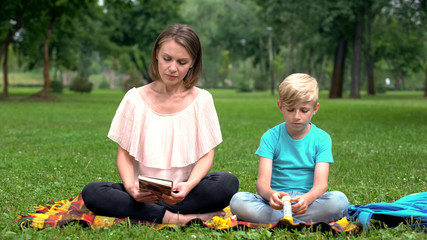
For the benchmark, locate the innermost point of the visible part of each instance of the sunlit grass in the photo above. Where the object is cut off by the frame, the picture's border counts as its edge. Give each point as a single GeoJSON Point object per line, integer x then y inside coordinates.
{"type": "Point", "coordinates": [50, 150]}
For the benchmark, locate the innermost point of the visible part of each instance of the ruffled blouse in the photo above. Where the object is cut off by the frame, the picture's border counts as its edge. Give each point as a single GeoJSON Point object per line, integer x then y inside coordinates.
{"type": "Point", "coordinates": [166, 145]}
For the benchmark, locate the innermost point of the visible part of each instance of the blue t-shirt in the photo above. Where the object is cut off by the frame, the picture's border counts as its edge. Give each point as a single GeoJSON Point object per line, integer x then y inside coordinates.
{"type": "Point", "coordinates": [294, 160]}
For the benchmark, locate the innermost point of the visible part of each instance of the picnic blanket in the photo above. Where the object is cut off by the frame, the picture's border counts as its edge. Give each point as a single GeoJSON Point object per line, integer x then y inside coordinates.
{"type": "Point", "coordinates": [57, 214]}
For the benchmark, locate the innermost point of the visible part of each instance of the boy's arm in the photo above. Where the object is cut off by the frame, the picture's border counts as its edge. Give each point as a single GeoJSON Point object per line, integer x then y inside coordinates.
{"type": "Point", "coordinates": [263, 184]}
{"type": "Point", "coordinates": [320, 185]}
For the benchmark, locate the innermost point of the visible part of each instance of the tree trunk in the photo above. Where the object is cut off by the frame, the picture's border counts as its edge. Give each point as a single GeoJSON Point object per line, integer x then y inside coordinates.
{"type": "Point", "coordinates": [310, 61]}
{"type": "Point", "coordinates": [9, 37]}
{"type": "Point", "coordinates": [357, 52]}
{"type": "Point", "coordinates": [46, 57]}
{"type": "Point", "coordinates": [288, 66]}
{"type": "Point", "coordinates": [425, 87]}
{"type": "Point", "coordinates": [370, 56]}
{"type": "Point", "coordinates": [45, 91]}
{"type": "Point", "coordinates": [4, 50]}
{"type": "Point", "coordinates": [338, 72]}
{"type": "Point", "coordinates": [271, 63]}
{"type": "Point", "coordinates": [5, 75]}
{"type": "Point", "coordinates": [6, 42]}
{"type": "Point", "coordinates": [261, 56]}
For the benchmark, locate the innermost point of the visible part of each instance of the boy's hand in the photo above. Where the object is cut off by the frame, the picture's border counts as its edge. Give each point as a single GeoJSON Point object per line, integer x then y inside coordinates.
{"type": "Point", "coordinates": [301, 205]}
{"type": "Point", "coordinates": [276, 200]}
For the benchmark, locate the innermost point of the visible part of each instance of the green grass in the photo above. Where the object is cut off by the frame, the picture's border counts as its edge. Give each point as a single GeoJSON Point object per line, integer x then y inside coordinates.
{"type": "Point", "coordinates": [50, 150]}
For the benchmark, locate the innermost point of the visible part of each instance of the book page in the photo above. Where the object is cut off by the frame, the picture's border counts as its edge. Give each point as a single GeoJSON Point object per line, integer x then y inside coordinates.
{"type": "Point", "coordinates": [164, 182]}
{"type": "Point", "coordinates": [155, 185]}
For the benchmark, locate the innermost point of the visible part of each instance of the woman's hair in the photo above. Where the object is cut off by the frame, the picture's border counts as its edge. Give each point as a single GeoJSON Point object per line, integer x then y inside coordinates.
{"type": "Point", "coordinates": [298, 88]}
{"type": "Point", "coordinates": [185, 36]}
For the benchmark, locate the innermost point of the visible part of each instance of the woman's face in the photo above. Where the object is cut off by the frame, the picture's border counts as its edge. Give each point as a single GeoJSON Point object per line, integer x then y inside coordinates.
{"type": "Point", "coordinates": [173, 62]}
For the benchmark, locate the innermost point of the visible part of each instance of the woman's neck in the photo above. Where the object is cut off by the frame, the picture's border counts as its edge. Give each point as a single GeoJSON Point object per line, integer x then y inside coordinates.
{"type": "Point", "coordinates": [168, 90]}
{"type": "Point", "coordinates": [167, 100]}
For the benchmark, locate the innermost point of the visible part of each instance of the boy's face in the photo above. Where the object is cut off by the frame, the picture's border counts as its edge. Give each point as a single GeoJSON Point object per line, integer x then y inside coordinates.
{"type": "Point", "coordinates": [298, 117]}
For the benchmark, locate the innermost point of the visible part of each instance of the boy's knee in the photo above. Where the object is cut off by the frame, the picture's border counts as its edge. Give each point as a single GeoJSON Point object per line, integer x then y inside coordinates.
{"type": "Point", "coordinates": [340, 198]}
{"type": "Point", "coordinates": [338, 203]}
{"type": "Point", "coordinates": [238, 200]}
{"type": "Point", "coordinates": [235, 199]}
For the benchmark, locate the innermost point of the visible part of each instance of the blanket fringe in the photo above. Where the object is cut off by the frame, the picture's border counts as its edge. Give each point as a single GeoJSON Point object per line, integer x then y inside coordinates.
{"type": "Point", "coordinates": [57, 214]}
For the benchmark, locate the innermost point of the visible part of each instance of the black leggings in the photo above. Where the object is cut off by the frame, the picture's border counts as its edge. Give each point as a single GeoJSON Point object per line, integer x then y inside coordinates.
{"type": "Point", "coordinates": [212, 194]}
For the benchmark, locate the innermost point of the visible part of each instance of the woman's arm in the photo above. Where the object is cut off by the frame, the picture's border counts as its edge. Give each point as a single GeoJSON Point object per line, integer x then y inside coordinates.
{"type": "Point", "coordinates": [320, 185]}
{"type": "Point", "coordinates": [125, 168]}
{"type": "Point", "coordinates": [126, 172]}
{"type": "Point", "coordinates": [199, 171]}
{"type": "Point", "coordinates": [201, 168]}
{"type": "Point", "coordinates": [263, 186]}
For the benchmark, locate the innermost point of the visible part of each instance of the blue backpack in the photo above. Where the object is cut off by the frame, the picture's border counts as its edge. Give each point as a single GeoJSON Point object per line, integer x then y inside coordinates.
{"type": "Point", "coordinates": [411, 208]}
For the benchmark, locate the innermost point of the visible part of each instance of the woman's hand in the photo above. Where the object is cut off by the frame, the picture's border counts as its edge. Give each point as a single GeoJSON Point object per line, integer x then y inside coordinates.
{"type": "Point", "coordinates": [179, 192]}
{"type": "Point", "coordinates": [301, 205]}
{"type": "Point", "coordinates": [143, 197]}
{"type": "Point", "coordinates": [276, 200]}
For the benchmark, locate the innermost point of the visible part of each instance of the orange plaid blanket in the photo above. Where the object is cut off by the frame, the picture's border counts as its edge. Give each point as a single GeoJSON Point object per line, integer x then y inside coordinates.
{"type": "Point", "coordinates": [57, 214]}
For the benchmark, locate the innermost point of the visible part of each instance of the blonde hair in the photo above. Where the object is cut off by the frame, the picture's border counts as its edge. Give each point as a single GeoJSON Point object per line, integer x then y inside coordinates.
{"type": "Point", "coordinates": [185, 36]}
{"type": "Point", "coordinates": [298, 88]}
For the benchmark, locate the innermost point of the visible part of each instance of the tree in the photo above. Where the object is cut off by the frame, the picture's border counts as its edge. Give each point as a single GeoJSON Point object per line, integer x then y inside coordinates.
{"type": "Point", "coordinates": [12, 16]}
{"type": "Point", "coordinates": [369, 55]}
{"type": "Point", "coordinates": [423, 18]}
{"type": "Point", "coordinates": [340, 27]}
{"type": "Point", "coordinates": [339, 67]}
{"type": "Point", "coordinates": [425, 86]}
{"type": "Point", "coordinates": [137, 24]}
{"type": "Point", "coordinates": [401, 42]}
{"type": "Point", "coordinates": [296, 39]}
{"type": "Point", "coordinates": [225, 25]}
{"type": "Point", "coordinates": [53, 11]}
{"type": "Point", "coordinates": [357, 51]}
{"type": "Point", "coordinates": [226, 66]}
{"type": "Point", "coordinates": [373, 11]}
{"type": "Point", "coordinates": [65, 35]}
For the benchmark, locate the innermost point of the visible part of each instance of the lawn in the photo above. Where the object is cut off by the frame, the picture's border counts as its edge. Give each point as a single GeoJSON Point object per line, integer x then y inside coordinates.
{"type": "Point", "coordinates": [50, 150]}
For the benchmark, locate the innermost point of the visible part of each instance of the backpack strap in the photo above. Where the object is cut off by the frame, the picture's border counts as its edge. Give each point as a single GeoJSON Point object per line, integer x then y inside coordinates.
{"type": "Point", "coordinates": [364, 217]}
{"type": "Point", "coordinates": [360, 213]}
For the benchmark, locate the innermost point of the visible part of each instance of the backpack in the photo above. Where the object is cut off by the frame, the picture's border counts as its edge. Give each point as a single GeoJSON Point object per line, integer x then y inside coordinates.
{"type": "Point", "coordinates": [411, 209]}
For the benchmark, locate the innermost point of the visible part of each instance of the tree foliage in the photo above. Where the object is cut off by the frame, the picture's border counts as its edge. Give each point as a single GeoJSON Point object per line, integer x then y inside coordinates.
{"type": "Point", "coordinates": [137, 25]}
{"type": "Point", "coordinates": [334, 40]}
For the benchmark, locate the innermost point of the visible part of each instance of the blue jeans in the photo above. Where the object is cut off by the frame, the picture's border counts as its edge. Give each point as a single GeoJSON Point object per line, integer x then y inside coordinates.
{"type": "Point", "coordinates": [330, 207]}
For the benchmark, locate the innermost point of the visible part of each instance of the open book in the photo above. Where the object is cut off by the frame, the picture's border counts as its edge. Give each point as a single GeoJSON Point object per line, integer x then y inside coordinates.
{"type": "Point", "coordinates": [155, 185]}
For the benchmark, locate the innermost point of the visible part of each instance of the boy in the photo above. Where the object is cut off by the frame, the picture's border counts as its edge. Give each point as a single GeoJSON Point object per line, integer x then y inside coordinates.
{"type": "Point", "coordinates": [294, 159]}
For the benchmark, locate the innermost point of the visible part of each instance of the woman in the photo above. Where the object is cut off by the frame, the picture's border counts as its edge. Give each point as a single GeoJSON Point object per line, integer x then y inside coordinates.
{"type": "Point", "coordinates": [166, 129]}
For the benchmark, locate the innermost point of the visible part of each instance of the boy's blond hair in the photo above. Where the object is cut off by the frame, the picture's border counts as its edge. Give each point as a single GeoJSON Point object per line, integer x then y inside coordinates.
{"type": "Point", "coordinates": [298, 88]}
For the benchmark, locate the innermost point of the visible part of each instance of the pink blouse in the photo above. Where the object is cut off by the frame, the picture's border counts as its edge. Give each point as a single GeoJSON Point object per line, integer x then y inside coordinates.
{"type": "Point", "coordinates": [166, 145]}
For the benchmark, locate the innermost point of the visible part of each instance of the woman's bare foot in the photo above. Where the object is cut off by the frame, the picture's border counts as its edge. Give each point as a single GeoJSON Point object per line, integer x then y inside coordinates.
{"type": "Point", "coordinates": [181, 219]}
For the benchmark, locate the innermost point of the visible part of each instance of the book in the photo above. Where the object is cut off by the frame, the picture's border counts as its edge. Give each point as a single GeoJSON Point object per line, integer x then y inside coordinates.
{"type": "Point", "coordinates": [157, 186]}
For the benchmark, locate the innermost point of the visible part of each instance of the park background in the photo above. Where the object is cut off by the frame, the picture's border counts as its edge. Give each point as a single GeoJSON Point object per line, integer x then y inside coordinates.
{"type": "Point", "coordinates": [67, 64]}
{"type": "Point", "coordinates": [248, 45]}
